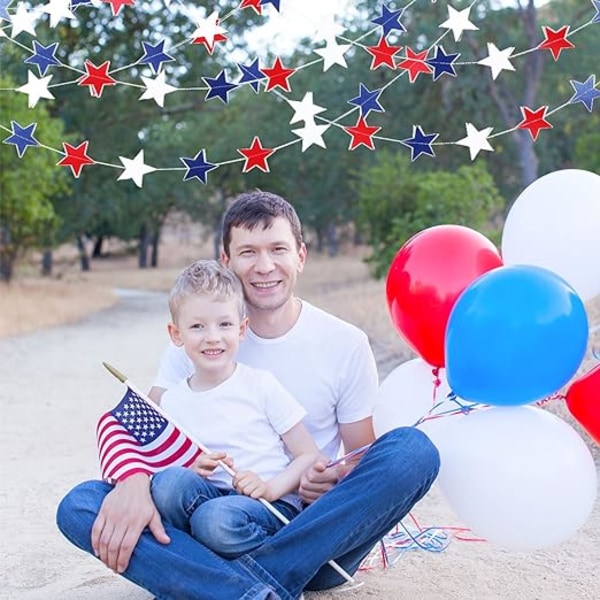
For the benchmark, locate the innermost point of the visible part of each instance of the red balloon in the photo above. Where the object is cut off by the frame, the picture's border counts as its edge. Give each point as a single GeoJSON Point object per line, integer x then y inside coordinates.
{"type": "Point", "coordinates": [583, 401]}
{"type": "Point", "coordinates": [427, 276]}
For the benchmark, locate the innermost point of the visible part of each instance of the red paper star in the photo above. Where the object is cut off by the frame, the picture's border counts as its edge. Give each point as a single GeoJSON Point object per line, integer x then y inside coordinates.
{"type": "Point", "coordinates": [255, 4]}
{"type": "Point", "coordinates": [415, 64]}
{"type": "Point", "coordinates": [362, 134]}
{"type": "Point", "coordinates": [278, 76]}
{"type": "Point", "coordinates": [534, 120]}
{"type": "Point", "coordinates": [218, 37]}
{"type": "Point", "coordinates": [75, 157]}
{"type": "Point", "coordinates": [556, 41]}
{"type": "Point", "coordinates": [116, 5]}
{"type": "Point", "coordinates": [256, 156]}
{"type": "Point", "coordinates": [383, 54]}
{"type": "Point", "coordinates": [96, 77]}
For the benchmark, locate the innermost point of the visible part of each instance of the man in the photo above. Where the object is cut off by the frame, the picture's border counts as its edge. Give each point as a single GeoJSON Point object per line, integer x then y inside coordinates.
{"type": "Point", "coordinates": [328, 366]}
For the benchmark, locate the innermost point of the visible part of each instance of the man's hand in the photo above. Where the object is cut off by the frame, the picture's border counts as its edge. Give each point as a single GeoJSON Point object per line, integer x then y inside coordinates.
{"type": "Point", "coordinates": [317, 480]}
{"type": "Point", "coordinates": [124, 514]}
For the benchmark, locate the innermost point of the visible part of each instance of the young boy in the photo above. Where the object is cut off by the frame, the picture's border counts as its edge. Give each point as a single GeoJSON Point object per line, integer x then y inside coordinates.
{"type": "Point", "coordinates": [244, 414]}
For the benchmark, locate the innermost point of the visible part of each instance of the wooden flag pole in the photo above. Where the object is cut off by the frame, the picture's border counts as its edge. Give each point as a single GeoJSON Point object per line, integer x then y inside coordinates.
{"type": "Point", "coordinates": [202, 447]}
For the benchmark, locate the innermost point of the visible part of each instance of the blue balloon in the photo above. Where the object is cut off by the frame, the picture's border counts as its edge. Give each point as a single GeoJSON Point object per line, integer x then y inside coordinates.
{"type": "Point", "coordinates": [515, 335]}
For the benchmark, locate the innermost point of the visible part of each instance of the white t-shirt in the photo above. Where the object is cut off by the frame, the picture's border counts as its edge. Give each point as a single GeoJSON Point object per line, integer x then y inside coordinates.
{"type": "Point", "coordinates": [324, 362]}
{"type": "Point", "coordinates": [244, 416]}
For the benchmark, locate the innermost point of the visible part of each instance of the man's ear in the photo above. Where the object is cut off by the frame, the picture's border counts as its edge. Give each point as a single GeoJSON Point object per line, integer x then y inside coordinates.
{"type": "Point", "coordinates": [224, 258]}
{"type": "Point", "coordinates": [174, 334]}
{"type": "Point", "coordinates": [302, 254]}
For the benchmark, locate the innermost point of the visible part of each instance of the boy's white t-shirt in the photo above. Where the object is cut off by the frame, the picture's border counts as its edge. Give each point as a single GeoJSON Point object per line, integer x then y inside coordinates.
{"type": "Point", "coordinates": [325, 363]}
{"type": "Point", "coordinates": [244, 416]}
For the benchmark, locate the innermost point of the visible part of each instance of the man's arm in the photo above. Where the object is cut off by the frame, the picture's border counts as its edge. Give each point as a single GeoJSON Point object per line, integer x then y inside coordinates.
{"type": "Point", "coordinates": [126, 511]}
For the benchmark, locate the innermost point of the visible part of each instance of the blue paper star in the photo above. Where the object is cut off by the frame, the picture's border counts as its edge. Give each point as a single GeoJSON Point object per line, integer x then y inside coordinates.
{"type": "Point", "coordinates": [4, 4]}
{"type": "Point", "coordinates": [442, 63]}
{"type": "Point", "coordinates": [420, 143]}
{"type": "Point", "coordinates": [585, 92]}
{"type": "Point", "coordinates": [43, 57]}
{"type": "Point", "coordinates": [22, 137]}
{"type": "Point", "coordinates": [596, 4]}
{"type": "Point", "coordinates": [367, 100]}
{"type": "Point", "coordinates": [275, 3]}
{"type": "Point", "coordinates": [155, 56]}
{"type": "Point", "coordinates": [389, 20]}
{"type": "Point", "coordinates": [219, 87]}
{"type": "Point", "coordinates": [75, 3]}
{"type": "Point", "coordinates": [197, 167]}
{"type": "Point", "coordinates": [251, 74]}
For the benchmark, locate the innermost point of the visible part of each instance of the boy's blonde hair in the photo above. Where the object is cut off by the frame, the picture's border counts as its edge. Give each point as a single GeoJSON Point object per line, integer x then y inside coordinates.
{"type": "Point", "coordinates": [209, 278]}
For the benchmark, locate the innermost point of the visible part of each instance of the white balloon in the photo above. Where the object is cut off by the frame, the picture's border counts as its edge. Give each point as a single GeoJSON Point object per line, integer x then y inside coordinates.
{"type": "Point", "coordinates": [519, 476]}
{"type": "Point", "coordinates": [406, 395]}
{"type": "Point", "coordinates": [555, 224]}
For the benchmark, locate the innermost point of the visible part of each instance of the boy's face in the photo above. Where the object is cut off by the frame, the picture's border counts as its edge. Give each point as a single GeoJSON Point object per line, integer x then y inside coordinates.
{"type": "Point", "coordinates": [268, 263]}
{"type": "Point", "coordinates": [210, 331]}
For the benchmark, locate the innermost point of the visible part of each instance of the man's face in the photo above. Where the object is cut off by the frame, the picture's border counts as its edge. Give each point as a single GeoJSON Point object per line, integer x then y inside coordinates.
{"type": "Point", "coordinates": [268, 262]}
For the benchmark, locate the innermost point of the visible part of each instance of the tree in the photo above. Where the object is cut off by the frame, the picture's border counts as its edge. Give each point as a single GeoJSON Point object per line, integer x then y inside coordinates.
{"type": "Point", "coordinates": [396, 201]}
{"type": "Point", "coordinates": [29, 184]}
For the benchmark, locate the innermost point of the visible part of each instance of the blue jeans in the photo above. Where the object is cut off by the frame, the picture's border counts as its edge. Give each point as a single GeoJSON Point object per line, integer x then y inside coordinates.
{"type": "Point", "coordinates": [224, 521]}
{"type": "Point", "coordinates": [343, 525]}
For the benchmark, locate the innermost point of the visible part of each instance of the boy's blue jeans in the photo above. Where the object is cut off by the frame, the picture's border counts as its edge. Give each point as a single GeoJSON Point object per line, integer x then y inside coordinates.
{"type": "Point", "coordinates": [224, 521]}
{"type": "Point", "coordinates": [343, 525]}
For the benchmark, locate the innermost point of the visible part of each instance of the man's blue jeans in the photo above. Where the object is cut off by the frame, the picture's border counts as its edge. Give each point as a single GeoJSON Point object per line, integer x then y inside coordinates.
{"type": "Point", "coordinates": [343, 525]}
{"type": "Point", "coordinates": [224, 521]}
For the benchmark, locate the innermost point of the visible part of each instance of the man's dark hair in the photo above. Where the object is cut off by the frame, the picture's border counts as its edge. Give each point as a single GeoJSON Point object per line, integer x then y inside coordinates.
{"type": "Point", "coordinates": [251, 209]}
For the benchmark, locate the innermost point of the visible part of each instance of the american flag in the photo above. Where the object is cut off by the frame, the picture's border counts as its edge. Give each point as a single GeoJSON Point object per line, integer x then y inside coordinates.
{"type": "Point", "coordinates": [135, 438]}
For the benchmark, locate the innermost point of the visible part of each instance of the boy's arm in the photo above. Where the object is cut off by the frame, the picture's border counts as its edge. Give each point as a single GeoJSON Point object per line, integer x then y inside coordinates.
{"type": "Point", "coordinates": [302, 447]}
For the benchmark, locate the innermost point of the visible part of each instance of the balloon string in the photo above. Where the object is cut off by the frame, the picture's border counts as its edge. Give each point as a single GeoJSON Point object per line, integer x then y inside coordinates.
{"type": "Point", "coordinates": [550, 398]}
{"type": "Point", "coordinates": [403, 538]}
{"type": "Point", "coordinates": [436, 381]}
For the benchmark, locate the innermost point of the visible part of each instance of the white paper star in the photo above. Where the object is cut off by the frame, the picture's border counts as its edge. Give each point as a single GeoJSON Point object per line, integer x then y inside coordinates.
{"type": "Point", "coordinates": [36, 88]}
{"type": "Point", "coordinates": [497, 60]}
{"type": "Point", "coordinates": [327, 30]}
{"type": "Point", "coordinates": [23, 20]}
{"type": "Point", "coordinates": [476, 140]}
{"type": "Point", "coordinates": [333, 54]}
{"type": "Point", "coordinates": [135, 168]}
{"type": "Point", "coordinates": [458, 21]}
{"type": "Point", "coordinates": [156, 89]}
{"type": "Point", "coordinates": [311, 134]}
{"type": "Point", "coordinates": [305, 110]}
{"type": "Point", "coordinates": [208, 28]}
{"type": "Point", "coordinates": [58, 9]}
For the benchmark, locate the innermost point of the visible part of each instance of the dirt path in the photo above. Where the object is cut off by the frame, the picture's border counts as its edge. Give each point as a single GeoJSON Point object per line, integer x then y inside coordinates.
{"type": "Point", "coordinates": [52, 390]}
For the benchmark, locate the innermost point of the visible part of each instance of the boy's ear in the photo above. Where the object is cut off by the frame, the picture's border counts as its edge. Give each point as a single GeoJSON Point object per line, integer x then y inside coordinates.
{"type": "Point", "coordinates": [174, 334]}
{"type": "Point", "coordinates": [243, 328]}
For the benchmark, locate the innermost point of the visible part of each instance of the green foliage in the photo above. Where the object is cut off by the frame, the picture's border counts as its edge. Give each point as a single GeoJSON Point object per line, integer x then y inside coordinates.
{"type": "Point", "coordinates": [396, 201]}
{"type": "Point", "coordinates": [29, 184]}
{"type": "Point", "coordinates": [587, 152]}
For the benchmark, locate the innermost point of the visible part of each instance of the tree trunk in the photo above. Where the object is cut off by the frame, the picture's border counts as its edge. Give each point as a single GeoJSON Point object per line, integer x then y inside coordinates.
{"type": "Point", "coordinates": [155, 242]}
{"type": "Point", "coordinates": [6, 267]}
{"type": "Point", "coordinates": [83, 257]}
{"type": "Point", "coordinates": [97, 251]}
{"type": "Point", "coordinates": [46, 269]}
{"type": "Point", "coordinates": [143, 247]}
{"type": "Point", "coordinates": [320, 240]}
{"type": "Point", "coordinates": [332, 243]}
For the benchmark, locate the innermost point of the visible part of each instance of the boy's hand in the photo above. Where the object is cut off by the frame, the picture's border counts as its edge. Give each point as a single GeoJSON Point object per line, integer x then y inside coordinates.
{"type": "Point", "coordinates": [250, 484]}
{"type": "Point", "coordinates": [207, 463]}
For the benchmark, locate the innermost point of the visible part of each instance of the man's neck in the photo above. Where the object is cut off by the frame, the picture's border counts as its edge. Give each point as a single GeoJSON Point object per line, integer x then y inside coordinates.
{"type": "Point", "coordinates": [270, 324]}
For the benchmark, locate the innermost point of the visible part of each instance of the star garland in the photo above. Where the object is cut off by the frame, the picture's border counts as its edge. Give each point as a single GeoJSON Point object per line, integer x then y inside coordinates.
{"type": "Point", "coordinates": [433, 62]}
